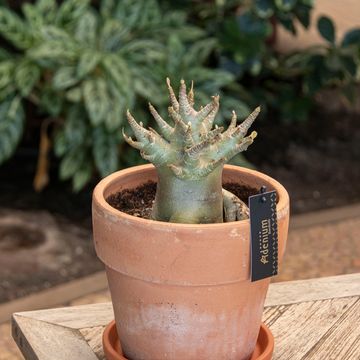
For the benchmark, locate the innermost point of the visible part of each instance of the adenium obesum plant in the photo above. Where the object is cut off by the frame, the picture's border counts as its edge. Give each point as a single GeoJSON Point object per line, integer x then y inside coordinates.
{"type": "Point", "coordinates": [189, 157]}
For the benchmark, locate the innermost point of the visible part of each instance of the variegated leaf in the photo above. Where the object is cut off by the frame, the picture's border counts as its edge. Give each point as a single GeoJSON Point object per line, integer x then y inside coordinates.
{"type": "Point", "coordinates": [13, 29]}
{"type": "Point", "coordinates": [27, 75]}
{"type": "Point", "coordinates": [96, 99]}
{"type": "Point", "coordinates": [11, 126]}
{"type": "Point", "coordinates": [87, 62]}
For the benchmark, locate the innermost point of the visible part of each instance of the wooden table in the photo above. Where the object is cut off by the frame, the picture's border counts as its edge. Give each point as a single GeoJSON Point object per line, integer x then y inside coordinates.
{"type": "Point", "coordinates": [310, 319]}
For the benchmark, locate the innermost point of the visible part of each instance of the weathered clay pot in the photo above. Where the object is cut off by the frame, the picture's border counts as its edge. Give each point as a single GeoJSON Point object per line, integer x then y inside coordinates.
{"type": "Point", "coordinates": [182, 291]}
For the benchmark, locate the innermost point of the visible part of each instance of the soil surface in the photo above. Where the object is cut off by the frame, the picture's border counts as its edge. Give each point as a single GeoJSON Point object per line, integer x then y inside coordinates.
{"type": "Point", "coordinates": [138, 202]}
{"type": "Point", "coordinates": [317, 161]}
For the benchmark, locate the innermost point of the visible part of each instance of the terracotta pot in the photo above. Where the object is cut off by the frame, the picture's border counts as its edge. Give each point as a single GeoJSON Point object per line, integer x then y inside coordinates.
{"type": "Point", "coordinates": [182, 291]}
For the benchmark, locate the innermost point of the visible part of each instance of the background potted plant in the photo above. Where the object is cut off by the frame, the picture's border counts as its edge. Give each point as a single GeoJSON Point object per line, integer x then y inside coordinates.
{"type": "Point", "coordinates": [179, 280]}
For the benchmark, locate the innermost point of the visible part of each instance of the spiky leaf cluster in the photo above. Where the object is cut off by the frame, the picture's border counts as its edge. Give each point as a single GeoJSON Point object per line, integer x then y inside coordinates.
{"type": "Point", "coordinates": [84, 67]}
{"type": "Point", "coordinates": [192, 148]}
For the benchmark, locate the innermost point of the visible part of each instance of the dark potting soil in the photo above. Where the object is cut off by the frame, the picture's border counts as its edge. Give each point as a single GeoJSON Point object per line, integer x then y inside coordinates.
{"type": "Point", "coordinates": [138, 201]}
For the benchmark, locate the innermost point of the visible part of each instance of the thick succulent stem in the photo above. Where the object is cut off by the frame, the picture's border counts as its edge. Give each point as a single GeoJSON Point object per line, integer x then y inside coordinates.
{"type": "Point", "coordinates": [188, 201]}
{"type": "Point", "coordinates": [189, 157]}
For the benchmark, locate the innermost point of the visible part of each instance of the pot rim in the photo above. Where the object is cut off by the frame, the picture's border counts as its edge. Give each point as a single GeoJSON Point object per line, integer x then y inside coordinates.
{"type": "Point", "coordinates": [282, 206]}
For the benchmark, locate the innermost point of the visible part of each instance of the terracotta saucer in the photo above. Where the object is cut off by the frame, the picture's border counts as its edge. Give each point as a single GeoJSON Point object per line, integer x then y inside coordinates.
{"type": "Point", "coordinates": [112, 348]}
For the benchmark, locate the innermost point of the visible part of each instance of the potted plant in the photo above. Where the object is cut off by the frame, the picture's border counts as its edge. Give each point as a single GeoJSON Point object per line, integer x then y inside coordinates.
{"type": "Point", "coordinates": [180, 280]}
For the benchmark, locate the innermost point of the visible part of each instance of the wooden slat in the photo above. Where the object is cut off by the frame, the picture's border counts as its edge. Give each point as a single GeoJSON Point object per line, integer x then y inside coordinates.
{"type": "Point", "coordinates": [40, 340]}
{"type": "Point", "coordinates": [342, 341]}
{"type": "Point", "coordinates": [291, 292]}
{"type": "Point", "coordinates": [74, 317]}
{"type": "Point", "coordinates": [302, 325]}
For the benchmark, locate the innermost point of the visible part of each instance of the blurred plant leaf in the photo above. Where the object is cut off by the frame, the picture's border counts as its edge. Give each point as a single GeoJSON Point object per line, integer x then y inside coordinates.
{"type": "Point", "coordinates": [86, 29]}
{"type": "Point", "coordinates": [14, 29]}
{"type": "Point", "coordinates": [106, 151]}
{"type": "Point", "coordinates": [96, 100]}
{"type": "Point", "coordinates": [326, 29]}
{"type": "Point", "coordinates": [27, 74]}
{"type": "Point", "coordinates": [71, 10]}
{"type": "Point", "coordinates": [352, 37]}
{"type": "Point", "coordinates": [264, 8]}
{"type": "Point", "coordinates": [82, 175]}
{"type": "Point", "coordinates": [64, 78]}
{"type": "Point", "coordinates": [87, 63]}
{"type": "Point", "coordinates": [11, 126]}
{"type": "Point", "coordinates": [285, 5]}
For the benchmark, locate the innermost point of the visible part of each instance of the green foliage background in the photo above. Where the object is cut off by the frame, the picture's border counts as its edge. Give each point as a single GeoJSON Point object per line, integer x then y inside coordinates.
{"type": "Point", "coordinates": [84, 64]}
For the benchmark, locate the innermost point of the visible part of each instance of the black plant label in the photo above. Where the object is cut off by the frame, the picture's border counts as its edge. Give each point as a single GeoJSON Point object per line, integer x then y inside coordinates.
{"type": "Point", "coordinates": [264, 235]}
